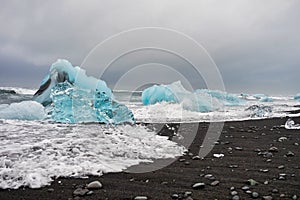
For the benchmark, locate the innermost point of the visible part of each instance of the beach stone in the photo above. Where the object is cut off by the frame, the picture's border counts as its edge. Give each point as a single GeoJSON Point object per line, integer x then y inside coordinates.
{"type": "Point", "coordinates": [245, 188]}
{"type": "Point", "coordinates": [264, 170]}
{"type": "Point", "coordinates": [290, 154]}
{"type": "Point", "coordinates": [233, 193]}
{"type": "Point", "coordinates": [248, 192]}
{"type": "Point", "coordinates": [267, 197]}
{"type": "Point", "coordinates": [282, 195]}
{"type": "Point", "coordinates": [175, 196]}
{"type": "Point", "coordinates": [268, 155]}
{"type": "Point", "coordinates": [50, 190]}
{"type": "Point", "coordinates": [294, 197]}
{"type": "Point", "coordinates": [232, 188]}
{"type": "Point", "coordinates": [275, 190]}
{"type": "Point", "coordinates": [196, 158]}
{"type": "Point", "coordinates": [273, 149]}
{"type": "Point", "coordinates": [257, 150]}
{"type": "Point", "coordinates": [80, 192]}
{"type": "Point", "coordinates": [140, 198]}
{"type": "Point", "coordinates": [238, 148]}
{"type": "Point", "coordinates": [188, 198]}
{"type": "Point", "coordinates": [255, 195]}
{"type": "Point", "coordinates": [296, 144]}
{"type": "Point", "coordinates": [280, 167]}
{"type": "Point", "coordinates": [281, 139]}
{"type": "Point", "coordinates": [269, 160]}
{"type": "Point", "coordinates": [188, 193]}
{"type": "Point", "coordinates": [198, 186]}
{"type": "Point", "coordinates": [215, 183]}
{"type": "Point", "coordinates": [89, 193]}
{"type": "Point", "coordinates": [252, 182]}
{"type": "Point", "coordinates": [235, 197]}
{"type": "Point", "coordinates": [94, 185]}
{"type": "Point", "coordinates": [266, 182]}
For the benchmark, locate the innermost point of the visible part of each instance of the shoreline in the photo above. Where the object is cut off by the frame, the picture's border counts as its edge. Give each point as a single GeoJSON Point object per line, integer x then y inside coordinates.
{"type": "Point", "coordinates": [251, 150]}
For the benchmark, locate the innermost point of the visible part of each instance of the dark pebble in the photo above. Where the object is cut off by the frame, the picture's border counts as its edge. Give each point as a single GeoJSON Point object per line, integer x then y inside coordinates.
{"type": "Point", "coordinates": [273, 149]}
{"type": "Point", "coordinates": [198, 186]}
{"type": "Point", "coordinates": [215, 183]}
{"type": "Point", "coordinates": [50, 190]}
{"type": "Point", "coordinates": [290, 154]}
{"type": "Point", "coordinates": [255, 195]}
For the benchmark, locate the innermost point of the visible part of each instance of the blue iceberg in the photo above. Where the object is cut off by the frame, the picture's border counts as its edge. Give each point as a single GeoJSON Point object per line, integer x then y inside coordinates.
{"type": "Point", "coordinates": [226, 98]}
{"type": "Point", "coordinates": [259, 96]}
{"type": "Point", "coordinates": [297, 97]}
{"type": "Point", "coordinates": [70, 96]}
{"type": "Point", "coordinates": [176, 93]}
{"type": "Point", "coordinates": [266, 99]}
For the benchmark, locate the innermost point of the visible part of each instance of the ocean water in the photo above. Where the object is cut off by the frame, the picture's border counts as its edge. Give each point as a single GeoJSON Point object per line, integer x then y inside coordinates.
{"type": "Point", "coordinates": [34, 152]}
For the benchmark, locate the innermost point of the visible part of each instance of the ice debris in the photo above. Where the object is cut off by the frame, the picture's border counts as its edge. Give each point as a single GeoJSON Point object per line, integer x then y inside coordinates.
{"type": "Point", "coordinates": [290, 124]}
{"type": "Point", "coordinates": [259, 111]}
{"type": "Point", "coordinates": [266, 99]}
{"type": "Point", "coordinates": [70, 96]}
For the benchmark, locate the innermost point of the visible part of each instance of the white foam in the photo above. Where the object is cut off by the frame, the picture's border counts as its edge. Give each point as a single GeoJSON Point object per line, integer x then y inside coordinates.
{"type": "Point", "coordinates": [171, 112]}
{"type": "Point", "coordinates": [20, 90]}
{"type": "Point", "coordinates": [33, 153]}
{"type": "Point", "coordinates": [25, 110]}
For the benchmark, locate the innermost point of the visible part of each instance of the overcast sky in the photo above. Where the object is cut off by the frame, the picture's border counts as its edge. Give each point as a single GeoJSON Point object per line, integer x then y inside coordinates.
{"type": "Point", "coordinates": [254, 43]}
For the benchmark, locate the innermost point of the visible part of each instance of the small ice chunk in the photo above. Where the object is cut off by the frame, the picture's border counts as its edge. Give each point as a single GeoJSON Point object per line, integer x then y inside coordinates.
{"type": "Point", "coordinates": [259, 111]}
{"type": "Point", "coordinates": [290, 124]}
{"type": "Point", "coordinates": [176, 93]}
{"type": "Point", "coordinates": [266, 99]}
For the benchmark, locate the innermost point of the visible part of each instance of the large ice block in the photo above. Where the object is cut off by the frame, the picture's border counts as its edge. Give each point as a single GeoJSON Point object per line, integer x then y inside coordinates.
{"type": "Point", "coordinates": [176, 93]}
{"type": "Point", "coordinates": [71, 96]}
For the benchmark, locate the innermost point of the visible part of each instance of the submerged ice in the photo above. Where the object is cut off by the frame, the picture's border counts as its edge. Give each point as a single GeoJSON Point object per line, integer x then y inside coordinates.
{"type": "Point", "coordinates": [71, 96]}
{"type": "Point", "coordinates": [200, 101]}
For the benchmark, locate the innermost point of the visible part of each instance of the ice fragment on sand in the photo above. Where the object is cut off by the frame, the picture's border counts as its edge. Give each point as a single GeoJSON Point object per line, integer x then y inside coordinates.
{"type": "Point", "coordinates": [290, 124]}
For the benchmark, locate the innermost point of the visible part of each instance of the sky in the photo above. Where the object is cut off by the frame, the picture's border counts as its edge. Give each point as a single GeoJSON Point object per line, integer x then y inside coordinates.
{"type": "Point", "coordinates": [255, 44]}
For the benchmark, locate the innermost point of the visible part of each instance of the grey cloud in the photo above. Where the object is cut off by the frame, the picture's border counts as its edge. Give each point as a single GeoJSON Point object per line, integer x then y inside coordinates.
{"type": "Point", "coordinates": [254, 43]}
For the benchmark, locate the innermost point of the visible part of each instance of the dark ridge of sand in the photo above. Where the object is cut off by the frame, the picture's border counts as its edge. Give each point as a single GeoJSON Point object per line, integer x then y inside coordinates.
{"type": "Point", "coordinates": [233, 170]}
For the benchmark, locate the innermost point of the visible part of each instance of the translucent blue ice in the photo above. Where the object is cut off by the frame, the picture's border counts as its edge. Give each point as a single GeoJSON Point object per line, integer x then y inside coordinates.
{"type": "Point", "coordinates": [297, 97]}
{"type": "Point", "coordinates": [259, 96]}
{"type": "Point", "coordinates": [226, 98]}
{"type": "Point", "coordinates": [266, 99]}
{"type": "Point", "coordinates": [176, 93]}
{"type": "Point", "coordinates": [71, 96]}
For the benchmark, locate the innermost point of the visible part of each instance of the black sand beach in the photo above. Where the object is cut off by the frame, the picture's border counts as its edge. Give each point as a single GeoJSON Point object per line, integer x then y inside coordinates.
{"type": "Point", "coordinates": [252, 150]}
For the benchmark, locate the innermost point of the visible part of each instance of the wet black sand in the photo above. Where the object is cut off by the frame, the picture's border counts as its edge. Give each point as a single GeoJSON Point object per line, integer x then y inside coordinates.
{"type": "Point", "coordinates": [247, 155]}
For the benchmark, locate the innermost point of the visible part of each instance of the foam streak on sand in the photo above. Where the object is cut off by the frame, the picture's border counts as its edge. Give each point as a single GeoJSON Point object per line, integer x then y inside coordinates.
{"type": "Point", "coordinates": [33, 153]}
